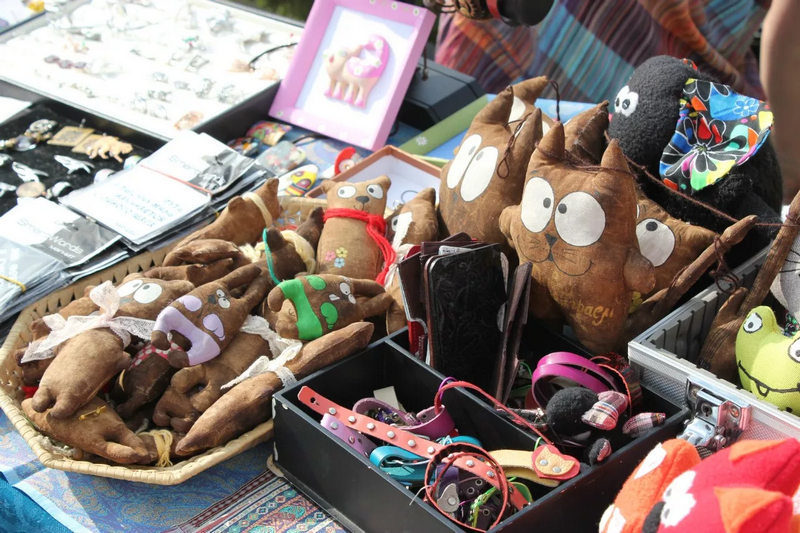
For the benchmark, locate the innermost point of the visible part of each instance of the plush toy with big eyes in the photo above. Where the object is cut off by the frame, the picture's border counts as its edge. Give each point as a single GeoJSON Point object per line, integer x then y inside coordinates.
{"type": "Point", "coordinates": [204, 322]}
{"type": "Point", "coordinates": [701, 138]}
{"type": "Point", "coordinates": [85, 362]}
{"type": "Point", "coordinates": [487, 173]}
{"type": "Point", "coordinates": [308, 307]}
{"type": "Point", "coordinates": [578, 229]}
{"type": "Point", "coordinates": [353, 241]}
{"type": "Point", "coordinates": [769, 361]}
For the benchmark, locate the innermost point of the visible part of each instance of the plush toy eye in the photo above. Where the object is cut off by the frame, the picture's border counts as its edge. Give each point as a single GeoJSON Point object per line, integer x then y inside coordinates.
{"type": "Point", "coordinates": [794, 351]}
{"type": "Point", "coordinates": [626, 101]}
{"type": "Point", "coordinates": [376, 191]}
{"type": "Point", "coordinates": [754, 323]}
{"type": "Point", "coordinates": [479, 173]}
{"type": "Point", "coordinates": [348, 191]}
{"type": "Point", "coordinates": [580, 220]}
{"type": "Point", "coordinates": [462, 160]}
{"type": "Point", "coordinates": [222, 300]}
{"type": "Point", "coordinates": [129, 288]}
{"type": "Point", "coordinates": [345, 288]}
{"type": "Point", "coordinates": [537, 205]}
{"type": "Point", "coordinates": [395, 220]}
{"type": "Point", "coordinates": [148, 292]}
{"type": "Point", "coordinates": [656, 241]}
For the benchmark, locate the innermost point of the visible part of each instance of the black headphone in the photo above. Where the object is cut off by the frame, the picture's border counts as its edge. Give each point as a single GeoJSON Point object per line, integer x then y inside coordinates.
{"type": "Point", "coordinates": [512, 12]}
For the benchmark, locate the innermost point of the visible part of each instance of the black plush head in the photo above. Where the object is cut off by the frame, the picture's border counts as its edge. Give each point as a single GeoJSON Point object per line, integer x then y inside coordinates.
{"type": "Point", "coordinates": [646, 113]}
{"type": "Point", "coordinates": [565, 408]}
{"type": "Point", "coordinates": [646, 109]}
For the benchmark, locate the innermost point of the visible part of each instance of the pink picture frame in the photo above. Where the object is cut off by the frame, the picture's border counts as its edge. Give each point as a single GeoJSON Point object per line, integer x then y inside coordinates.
{"type": "Point", "coordinates": [338, 24]}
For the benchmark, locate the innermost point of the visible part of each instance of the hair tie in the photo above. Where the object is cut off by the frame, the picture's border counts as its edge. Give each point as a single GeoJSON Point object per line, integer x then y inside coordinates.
{"type": "Point", "coordinates": [268, 255]}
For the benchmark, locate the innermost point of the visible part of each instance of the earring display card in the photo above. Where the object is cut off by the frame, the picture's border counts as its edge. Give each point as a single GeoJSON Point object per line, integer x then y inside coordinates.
{"type": "Point", "coordinates": [158, 67]}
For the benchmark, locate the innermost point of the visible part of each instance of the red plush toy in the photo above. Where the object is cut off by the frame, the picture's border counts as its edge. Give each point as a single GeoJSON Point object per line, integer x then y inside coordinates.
{"type": "Point", "coordinates": [746, 488]}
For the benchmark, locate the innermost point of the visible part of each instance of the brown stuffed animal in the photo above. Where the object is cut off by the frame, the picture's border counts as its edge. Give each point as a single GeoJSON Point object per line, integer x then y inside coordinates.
{"type": "Point", "coordinates": [201, 261]}
{"type": "Point", "coordinates": [245, 217]}
{"type": "Point", "coordinates": [210, 316]}
{"type": "Point", "coordinates": [488, 171]}
{"type": "Point", "coordinates": [144, 381]}
{"type": "Point", "coordinates": [194, 389]}
{"type": "Point", "coordinates": [353, 241]}
{"type": "Point", "coordinates": [85, 362]}
{"type": "Point", "coordinates": [670, 244]}
{"type": "Point", "coordinates": [249, 402]}
{"type": "Point", "coordinates": [585, 134]}
{"type": "Point", "coordinates": [308, 307]}
{"type": "Point", "coordinates": [578, 229]}
{"type": "Point", "coordinates": [412, 224]}
{"type": "Point", "coordinates": [94, 428]}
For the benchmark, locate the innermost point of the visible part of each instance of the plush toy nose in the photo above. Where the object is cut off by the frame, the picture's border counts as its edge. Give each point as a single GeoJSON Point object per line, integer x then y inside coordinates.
{"type": "Point", "coordinates": [551, 239]}
{"type": "Point", "coordinates": [362, 199]}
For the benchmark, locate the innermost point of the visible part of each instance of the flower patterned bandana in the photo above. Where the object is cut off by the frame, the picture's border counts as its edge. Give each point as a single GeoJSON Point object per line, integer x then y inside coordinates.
{"type": "Point", "coordinates": [717, 130]}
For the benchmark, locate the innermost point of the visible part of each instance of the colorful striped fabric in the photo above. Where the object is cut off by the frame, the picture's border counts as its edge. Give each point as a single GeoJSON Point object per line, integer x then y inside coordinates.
{"type": "Point", "coordinates": [591, 47]}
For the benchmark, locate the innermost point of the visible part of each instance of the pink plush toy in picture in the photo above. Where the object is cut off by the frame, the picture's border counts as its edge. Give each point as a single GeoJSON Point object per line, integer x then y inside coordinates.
{"type": "Point", "coordinates": [352, 76]}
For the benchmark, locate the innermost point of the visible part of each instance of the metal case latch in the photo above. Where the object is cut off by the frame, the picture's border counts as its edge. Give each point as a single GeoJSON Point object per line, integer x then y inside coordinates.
{"type": "Point", "coordinates": [716, 422]}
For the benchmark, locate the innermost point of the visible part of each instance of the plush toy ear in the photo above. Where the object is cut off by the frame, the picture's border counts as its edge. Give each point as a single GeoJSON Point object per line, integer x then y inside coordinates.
{"type": "Point", "coordinates": [327, 185]}
{"type": "Point", "coordinates": [272, 186]}
{"type": "Point", "coordinates": [427, 195]}
{"type": "Point", "coordinates": [497, 111]}
{"type": "Point", "coordinates": [384, 182]}
{"type": "Point", "coordinates": [529, 90]}
{"type": "Point", "coordinates": [530, 132]}
{"type": "Point", "coordinates": [551, 147]}
{"type": "Point", "coordinates": [614, 158]}
{"type": "Point", "coordinates": [275, 240]}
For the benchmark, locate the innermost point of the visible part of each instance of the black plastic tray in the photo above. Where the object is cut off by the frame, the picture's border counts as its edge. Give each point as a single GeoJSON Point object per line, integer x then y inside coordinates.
{"type": "Point", "coordinates": [363, 498]}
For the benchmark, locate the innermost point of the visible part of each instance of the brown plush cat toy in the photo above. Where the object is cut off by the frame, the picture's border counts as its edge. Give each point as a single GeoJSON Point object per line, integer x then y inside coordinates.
{"type": "Point", "coordinates": [578, 229]}
{"type": "Point", "coordinates": [353, 241]}
{"type": "Point", "coordinates": [488, 171]}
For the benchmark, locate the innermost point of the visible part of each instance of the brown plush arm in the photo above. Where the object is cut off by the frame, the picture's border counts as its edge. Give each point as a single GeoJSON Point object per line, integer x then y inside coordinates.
{"type": "Point", "coordinates": [366, 287]}
{"type": "Point", "coordinates": [376, 306]}
{"type": "Point", "coordinates": [248, 403]}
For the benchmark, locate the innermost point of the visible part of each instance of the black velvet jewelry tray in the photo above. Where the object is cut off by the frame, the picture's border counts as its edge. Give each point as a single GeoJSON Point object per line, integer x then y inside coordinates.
{"type": "Point", "coordinates": [41, 157]}
{"type": "Point", "coordinates": [364, 498]}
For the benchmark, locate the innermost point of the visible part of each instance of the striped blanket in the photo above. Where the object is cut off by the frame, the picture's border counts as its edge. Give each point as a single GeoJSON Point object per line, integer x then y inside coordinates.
{"type": "Point", "coordinates": [590, 47]}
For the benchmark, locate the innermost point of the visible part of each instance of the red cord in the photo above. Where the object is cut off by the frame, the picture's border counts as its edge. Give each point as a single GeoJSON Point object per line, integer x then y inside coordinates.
{"type": "Point", "coordinates": [437, 404]}
{"type": "Point", "coordinates": [376, 229]}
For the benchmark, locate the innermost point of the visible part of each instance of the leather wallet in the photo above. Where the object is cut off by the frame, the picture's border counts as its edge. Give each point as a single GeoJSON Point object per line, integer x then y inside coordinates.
{"type": "Point", "coordinates": [465, 294]}
{"type": "Point", "coordinates": [515, 319]}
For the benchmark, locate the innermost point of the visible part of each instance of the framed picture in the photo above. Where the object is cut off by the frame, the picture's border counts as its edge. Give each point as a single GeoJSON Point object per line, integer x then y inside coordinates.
{"type": "Point", "coordinates": [352, 68]}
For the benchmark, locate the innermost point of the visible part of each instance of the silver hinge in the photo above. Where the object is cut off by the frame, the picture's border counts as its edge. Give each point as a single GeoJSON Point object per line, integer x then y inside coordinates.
{"type": "Point", "coordinates": [716, 422]}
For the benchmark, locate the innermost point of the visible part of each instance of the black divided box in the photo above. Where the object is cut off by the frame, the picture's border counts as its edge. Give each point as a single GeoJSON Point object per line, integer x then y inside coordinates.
{"type": "Point", "coordinates": [363, 498]}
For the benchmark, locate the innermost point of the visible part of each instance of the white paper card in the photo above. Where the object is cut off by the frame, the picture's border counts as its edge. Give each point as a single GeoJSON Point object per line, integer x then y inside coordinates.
{"type": "Point", "coordinates": [138, 203]}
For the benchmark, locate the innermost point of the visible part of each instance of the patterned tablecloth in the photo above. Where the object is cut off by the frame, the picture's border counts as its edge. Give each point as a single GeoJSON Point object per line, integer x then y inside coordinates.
{"type": "Point", "coordinates": [237, 495]}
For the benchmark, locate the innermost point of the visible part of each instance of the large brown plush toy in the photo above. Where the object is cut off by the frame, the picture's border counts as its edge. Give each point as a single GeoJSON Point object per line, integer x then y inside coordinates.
{"type": "Point", "coordinates": [194, 389]}
{"type": "Point", "coordinates": [353, 241]}
{"type": "Point", "coordinates": [249, 403]}
{"type": "Point", "coordinates": [578, 229]}
{"type": "Point", "coordinates": [86, 361]}
{"type": "Point", "coordinates": [209, 317]}
{"type": "Point", "coordinates": [414, 223]}
{"type": "Point", "coordinates": [488, 171]}
{"type": "Point", "coordinates": [245, 217]}
{"type": "Point", "coordinates": [308, 307]}
{"type": "Point", "coordinates": [94, 428]}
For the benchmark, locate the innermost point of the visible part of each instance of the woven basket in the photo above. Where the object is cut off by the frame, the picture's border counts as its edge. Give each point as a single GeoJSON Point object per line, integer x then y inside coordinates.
{"type": "Point", "coordinates": [295, 211]}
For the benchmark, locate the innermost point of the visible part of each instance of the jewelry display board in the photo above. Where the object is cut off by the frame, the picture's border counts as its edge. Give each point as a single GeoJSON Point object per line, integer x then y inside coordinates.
{"type": "Point", "coordinates": [155, 66]}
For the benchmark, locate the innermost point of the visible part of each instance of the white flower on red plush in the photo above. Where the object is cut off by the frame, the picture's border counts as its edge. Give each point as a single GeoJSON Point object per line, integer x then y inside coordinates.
{"type": "Point", "coordinates": [678, 501]}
